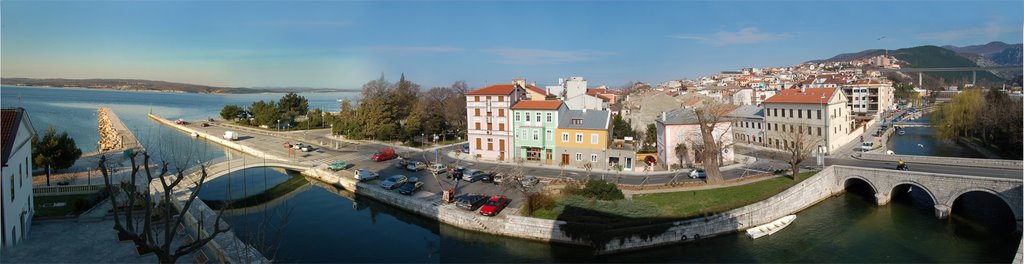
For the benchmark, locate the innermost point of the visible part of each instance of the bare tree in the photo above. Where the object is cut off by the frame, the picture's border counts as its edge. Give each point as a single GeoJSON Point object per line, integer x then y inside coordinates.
{"type": "Point", "coordinates": [513, 180]}
{"type": "Point", "coordinates": [798, 146]}
{"type": "Point", "coordinates": [149, 236]}
{"type": "Point", "coordinates": [715, 126]}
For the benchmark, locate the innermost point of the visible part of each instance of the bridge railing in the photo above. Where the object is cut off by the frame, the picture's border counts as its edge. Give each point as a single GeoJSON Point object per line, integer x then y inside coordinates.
{"type": "Point", "coordinates": [984, 163]}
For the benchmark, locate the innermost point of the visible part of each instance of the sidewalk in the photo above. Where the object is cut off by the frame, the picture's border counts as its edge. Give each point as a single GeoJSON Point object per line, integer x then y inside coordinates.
{"type": "Point", "coordinates": [466, 158]}
{"type": "Point", "coordinates": [630, 193]}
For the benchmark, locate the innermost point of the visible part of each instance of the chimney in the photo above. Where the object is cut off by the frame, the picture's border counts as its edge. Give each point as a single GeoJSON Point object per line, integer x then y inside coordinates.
{"type": "Point", "coordinates": [521, 82]}
{"type": "Point", "coordinates": [662, 116]}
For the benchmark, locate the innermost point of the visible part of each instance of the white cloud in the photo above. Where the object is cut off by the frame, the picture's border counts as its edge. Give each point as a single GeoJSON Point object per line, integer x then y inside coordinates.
{"type": "Point", "coordinates": [541, 56]}
{"type": "Point", "coordinates": [748, 35]}
{"type": "Point", "coordinates": [415, 49]}
{"type": "Point", "coordinates": [989, 31]}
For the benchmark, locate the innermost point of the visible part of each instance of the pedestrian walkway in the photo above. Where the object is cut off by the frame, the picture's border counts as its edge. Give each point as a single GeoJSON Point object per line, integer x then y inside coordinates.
{"type": "Point", "coordinates": [466, 158]}
{"type": "Point", "coordinates": [62, 241]}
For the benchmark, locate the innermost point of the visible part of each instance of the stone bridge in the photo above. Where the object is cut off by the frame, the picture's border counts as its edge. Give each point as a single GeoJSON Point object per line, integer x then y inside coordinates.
{"type": "Point", "coordinates": [944, 189]}
{"type": "Point", "coordinates": [222, 168]}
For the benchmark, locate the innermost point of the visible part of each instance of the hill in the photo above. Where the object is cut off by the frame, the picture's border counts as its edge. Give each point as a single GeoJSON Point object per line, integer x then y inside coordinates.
{"type": "Point", "coordinates": [986, 49]}
{"type": "Point", "coordinates": [150, 86]}
{"type": "Point", "coordinates": [853, 56]}
{"type": "Point", "coordinates": [936, 57]}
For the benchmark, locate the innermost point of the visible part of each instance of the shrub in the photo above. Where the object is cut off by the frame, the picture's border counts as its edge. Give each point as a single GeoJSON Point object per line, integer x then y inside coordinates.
{"type": "Point", "coordinates": [542, 201]}
{"type": "Point", "coordinates": [601, 190]}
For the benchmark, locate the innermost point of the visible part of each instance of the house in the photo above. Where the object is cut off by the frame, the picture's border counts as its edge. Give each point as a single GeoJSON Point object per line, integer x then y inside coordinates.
{"type": "Point", "coordinates": [869, 98]}
{"type": "Point", "coordinates": [586, 101]}
{"type": "Point", "coordinates": [748, 125]}
{"type": "Point", "coordinates": [533, 124]}
{"type": "Point", "coordinates": [819, 115]}
{"type": "Point", "coordinates": [488, 117]}
{"type": "Point", "coordinates": [679, 129]}
{"type": "Point", "coordinates": [583, 138]}
{"type": "Point", "coordinates": [16, 179]}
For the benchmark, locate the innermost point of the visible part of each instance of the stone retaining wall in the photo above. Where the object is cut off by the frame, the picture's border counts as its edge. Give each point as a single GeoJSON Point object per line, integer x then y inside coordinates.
{"type": "Point", "coordinates": [984, 163]}
{"type": "Point", "coordinates": [113, 134]}
{"type": "Point", "coordinates": [219, 140]}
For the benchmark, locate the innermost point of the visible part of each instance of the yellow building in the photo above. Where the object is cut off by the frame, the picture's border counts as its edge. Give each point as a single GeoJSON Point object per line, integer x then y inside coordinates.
{"type": "Point", "coordinates": [582, 138]}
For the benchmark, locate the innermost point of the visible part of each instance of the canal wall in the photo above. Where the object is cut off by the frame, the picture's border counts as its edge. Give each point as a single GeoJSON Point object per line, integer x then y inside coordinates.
{"type": "Point", "coordinates": [950, 161]}
{"type": "Point", "coordinates": [219, 140]}
{"type": "Point", "coordinates": [114, 135]}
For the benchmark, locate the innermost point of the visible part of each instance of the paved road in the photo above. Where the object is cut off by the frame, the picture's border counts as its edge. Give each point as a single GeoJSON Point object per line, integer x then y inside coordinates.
{"type": "Point", "coordinates": [933, 168]}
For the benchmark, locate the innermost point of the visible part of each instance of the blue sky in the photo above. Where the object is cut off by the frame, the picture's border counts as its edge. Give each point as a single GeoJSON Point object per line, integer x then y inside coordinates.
{"type": "Point", "coordinates": [343, 44]}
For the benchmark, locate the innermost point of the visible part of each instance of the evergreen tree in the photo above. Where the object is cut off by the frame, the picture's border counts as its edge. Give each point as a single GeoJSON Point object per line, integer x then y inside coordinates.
{"type": "Point", "coordinates": [54, 152]}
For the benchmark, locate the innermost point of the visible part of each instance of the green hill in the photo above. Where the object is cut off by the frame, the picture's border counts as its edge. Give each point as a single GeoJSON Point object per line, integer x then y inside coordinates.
{"type": "Point", "coordinates": [937, 57]}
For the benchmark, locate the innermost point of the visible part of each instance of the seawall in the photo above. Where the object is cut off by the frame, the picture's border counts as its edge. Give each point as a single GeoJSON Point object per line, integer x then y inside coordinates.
{"type": "Point", "coordinates": [114, 135]}
{"type": "Point", "coordinates": [224, 142]}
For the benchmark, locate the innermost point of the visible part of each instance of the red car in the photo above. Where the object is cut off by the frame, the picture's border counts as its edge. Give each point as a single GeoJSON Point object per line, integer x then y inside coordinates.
{"type": "Point", "coordinates": [494, 205]}
{"type": "Point", "coordinates": [383, 154]}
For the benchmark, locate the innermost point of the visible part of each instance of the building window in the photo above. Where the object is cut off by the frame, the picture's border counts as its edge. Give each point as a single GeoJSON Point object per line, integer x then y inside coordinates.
{"type": "Point", "coordinates": [579, 138]}
{"type": "Point", "coordinates": [800, 114]}
{"type": "Point", "coordinates": [790, 113]}
{"type": "Point", "coordinates": [490, 127]}
{"type": "Point", "coordinates": [21, 176]}
{"type": "Point", "coordinates": [501, 112]}
{"type": "Point", "coordinates": [536, 134]}
{"type": "Point", "coordinates": [776, 112]}
{"type": "Point", "coordinates": [527, 117]}
{"type": "Point", "coordinates": [819, 131]}
{"type": "Point", "coordinates": [476, 98]}
{"type": "Point", "coordinates": [478, 144]}
{"type": "Point", "coordinates": [758, 125]}
{"type": "Point", "coordinates": [517, 116]}
{"type": "Point", "coordinates": [819, 114]}
{"type": "Point", "coordinates": [524, 132]}
{"type": "Point", "coordinates": [593, 138]}
{"type": "Point", "coordinates": [548, 135]}
{"type": "Point", "coordinates": [577, 121]}
{"type": "Point", "coordinates": [579, 157]}
{"type": "Point", "coordinates": [476, 112]}
{"type": "Point", "coordinates": [593, 157]}
{"type": "Point", "coordinates": [477, 125]}
{"type": "Point", "coordinates": [565, 137]}
{"type": "Point", "coordinates": [501, 98]}
{"type": "Point", "coordinates": [808, 113]}
{"type": "Point", "coordinates": [501, 126]}
{"type": "Point", "coordinates": [549, 117]}
{"type": "Point", "coordinates": [488, 98]}
{"type": "Point", "coordinates": [538, 117]}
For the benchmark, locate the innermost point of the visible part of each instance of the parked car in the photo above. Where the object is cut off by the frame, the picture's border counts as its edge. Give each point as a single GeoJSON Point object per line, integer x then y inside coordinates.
{"type": "Point", "coordinates": [393, 182]}
{"type": "Point", "coordinates": [338, 165]}
{"type": "Point", "coordinates": [365, 175]}
{"type": "Point", "coordinates": [494, 205]}
{"type": "Point", "coordinates": [488, 177]}
{"type": "Point", "coordinates": [383, 154]}
{"type": "Point", "coordinates": [306, 148]}
{"type": "Point", "coordinates": [297, 145]}
{"type": "Point", "coordinates": [473, 175]}
{"type": "Point", "coordinates": [698, 173]}
{"type": "Point", "coordinates": [411, 186]}
{"type": "Point", "coordinates": [415, 166]}
{"type": "Point", "coordinates": [470, 201]}
{"type": "Point", "coordinates": [529, 181]}
{"type": "Point", "coordinates": [438, 168]}
{"type": "Point", "coordinates": [465, 149]}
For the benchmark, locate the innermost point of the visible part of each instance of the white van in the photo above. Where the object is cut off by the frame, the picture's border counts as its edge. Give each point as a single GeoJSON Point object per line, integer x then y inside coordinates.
{"type": "Point", "coordinates": [867, 146]}
{"type": "Point", "coordinates": [230, 135]}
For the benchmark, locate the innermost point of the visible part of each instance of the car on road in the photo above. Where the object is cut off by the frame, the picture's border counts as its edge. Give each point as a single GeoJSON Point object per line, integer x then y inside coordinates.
{"type": "Point", "coordinates": [383, 154]}
{"type": "Point", "coordinates": [438, 168]}
{"type": "Point", "coordinates": [494, 205]}
{"type": "Point", "coordinates": [470, 202]}
{"type": "Point", "coordinates": [415, 166]}
{"type": "Point", "coordinates": [338, 165]}
{"type": "Point", "coordinates": [465, 149]}
{"type": "Point", "coordinates": [393, 182]}
{"type": "Point", "coordinates": [306, 148]}
{"type": "Point", "coordinates": [410, 186]}
{"type": "Point", "coordinates": [698, 173]}
{"type": "Point", "coordinates": [473, 175]}
{"type": "Point", "coordinates": [529, 181]}
{"type": "Point", "coordinates": [365, 175]}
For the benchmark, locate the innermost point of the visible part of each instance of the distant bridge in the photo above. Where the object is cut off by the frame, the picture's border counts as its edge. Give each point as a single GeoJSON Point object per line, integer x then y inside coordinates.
{"type": "Point", "coordinates": [973, 70]}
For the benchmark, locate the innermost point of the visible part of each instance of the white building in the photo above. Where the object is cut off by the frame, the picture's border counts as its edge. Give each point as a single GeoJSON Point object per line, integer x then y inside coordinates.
{"type": "Point", "coordinates": [742, 97]}
{"type": "Point", "coordinates": [869, 98]}
{"type": "Point", "coordinates": [748, 125]}
{"type": "Point", "coordinates": [16, 179]}
{"type": "Point", "coordinates": [575, 86]}
{"type": "Point", "coordinates": [488, 117]}
{"type": "Point", "coordinates": [820, 115]}
{"type": "Point", "coordinates": [586, 101]}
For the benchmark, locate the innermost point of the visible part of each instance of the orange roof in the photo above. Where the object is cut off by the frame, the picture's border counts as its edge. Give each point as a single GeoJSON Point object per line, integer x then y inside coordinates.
{"type": "Point", "coordinates": [809, 96]}
{"type": "Point", "coordinates": [503, 89]}
{"type": "Point", "coordinates": [497, 89]}
{"type": "Point", "coordinates": [537, 105]}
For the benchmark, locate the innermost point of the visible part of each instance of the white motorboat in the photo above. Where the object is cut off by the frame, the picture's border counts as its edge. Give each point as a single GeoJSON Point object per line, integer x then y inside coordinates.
{"type": "Point", "coordinates": [770, 228]}
{"type": "Point", "coordinates": [194, 134]}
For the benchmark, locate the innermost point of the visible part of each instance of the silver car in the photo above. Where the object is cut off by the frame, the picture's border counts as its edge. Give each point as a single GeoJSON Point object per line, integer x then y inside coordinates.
{"type": "Point", "coordinates": [365, 175]}
{"type": "Point", "coordinates": [393, 182]}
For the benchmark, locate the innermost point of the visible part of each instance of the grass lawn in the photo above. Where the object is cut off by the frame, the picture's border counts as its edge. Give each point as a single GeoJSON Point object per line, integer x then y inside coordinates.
{"type": "Point", "coordinates": [71, 206]}
{"type": "Point", "coordinates": [697, 203]}
{"type": "Point", "coordinates": [671, 205]}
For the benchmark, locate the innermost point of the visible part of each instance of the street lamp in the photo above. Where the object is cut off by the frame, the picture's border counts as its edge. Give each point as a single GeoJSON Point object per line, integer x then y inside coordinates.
{"type": "Point", "coordinates": [279, 125]}
{"type": "Point", "coordinates": [821, 151]}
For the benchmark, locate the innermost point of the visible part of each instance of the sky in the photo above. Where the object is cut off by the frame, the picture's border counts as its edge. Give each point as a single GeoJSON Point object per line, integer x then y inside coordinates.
{"type": "Point", "coordinates": [344, 44]}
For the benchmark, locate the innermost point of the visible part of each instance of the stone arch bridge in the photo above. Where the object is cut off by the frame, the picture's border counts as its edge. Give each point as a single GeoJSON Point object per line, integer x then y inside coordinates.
{"type": "Point", "coordinates": [944, 189]}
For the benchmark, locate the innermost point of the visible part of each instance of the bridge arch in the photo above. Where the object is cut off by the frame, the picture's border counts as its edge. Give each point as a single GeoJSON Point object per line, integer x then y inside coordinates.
{"type": "Point", "coordinates": [1015, 208]}
{"type": "Point", "coordinates": [847, 181]}
{"type": "Point", "coordinates": [935, 200]}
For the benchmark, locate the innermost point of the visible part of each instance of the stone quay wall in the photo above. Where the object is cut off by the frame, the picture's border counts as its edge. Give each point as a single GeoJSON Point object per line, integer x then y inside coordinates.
{"type": "Point", "coordinates": [984, 163]}
{"type": "Point", "coordinates": [219, 140]}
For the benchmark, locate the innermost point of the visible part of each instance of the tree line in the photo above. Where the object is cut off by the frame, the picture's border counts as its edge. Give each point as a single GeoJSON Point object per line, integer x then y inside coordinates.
{"type": "Point", "coordinates": [991, 117]}
{"type": "Point", "coordinates": [401, 111]}
{"type": "Point", "coordinates": [279, 114]}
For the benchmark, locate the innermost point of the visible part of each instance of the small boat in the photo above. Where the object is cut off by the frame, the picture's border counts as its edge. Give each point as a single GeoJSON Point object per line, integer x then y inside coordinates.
{"type": "Point", "coordinates": [194, 134]}
{"type": "Point", "coordinates": [902, 132]}
{"type": "Point", "coordinates": [770, 228]}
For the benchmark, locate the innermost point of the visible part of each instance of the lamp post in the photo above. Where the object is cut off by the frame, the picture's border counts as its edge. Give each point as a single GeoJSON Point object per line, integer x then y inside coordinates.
{"type": "Point", "coordinates": [821, 151]}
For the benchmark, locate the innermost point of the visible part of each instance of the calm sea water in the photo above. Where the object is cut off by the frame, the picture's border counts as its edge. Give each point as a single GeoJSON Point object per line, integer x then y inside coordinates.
{"type": "Point", "coordinates": [316, 224]}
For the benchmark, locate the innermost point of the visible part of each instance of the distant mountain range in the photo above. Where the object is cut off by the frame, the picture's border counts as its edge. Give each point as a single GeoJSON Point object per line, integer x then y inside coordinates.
{"type": "Point", "coordinates": [153, 86]}
{"type": "Point", "coordinates": [991, 54]}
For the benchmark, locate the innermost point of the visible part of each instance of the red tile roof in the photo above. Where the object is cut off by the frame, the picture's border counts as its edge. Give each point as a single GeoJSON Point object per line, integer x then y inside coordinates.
{"type": "Point", "coordinates": [809, 96]}
{"type": "Point", "coordinates": [503, 89]}
{"type": "Point", "coordinates": [10, 118]}
{"type": "Point", "coordinates": [537, 105]}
